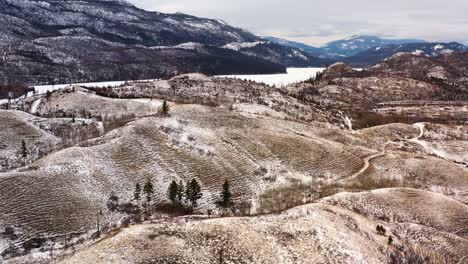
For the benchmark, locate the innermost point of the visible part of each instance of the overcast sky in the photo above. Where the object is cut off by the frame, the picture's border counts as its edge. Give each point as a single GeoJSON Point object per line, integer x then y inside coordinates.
{"type": "Point", "coordinates": [316, 22]}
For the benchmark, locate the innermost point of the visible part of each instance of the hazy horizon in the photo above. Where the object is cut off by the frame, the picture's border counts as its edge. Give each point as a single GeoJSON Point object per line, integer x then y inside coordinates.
{"type": "Point", "coordinates": [315, 23]}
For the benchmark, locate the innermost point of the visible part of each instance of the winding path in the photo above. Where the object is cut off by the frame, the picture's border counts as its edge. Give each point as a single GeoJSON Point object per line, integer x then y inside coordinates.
{"type": "Point", "coordinates": [366, 164]}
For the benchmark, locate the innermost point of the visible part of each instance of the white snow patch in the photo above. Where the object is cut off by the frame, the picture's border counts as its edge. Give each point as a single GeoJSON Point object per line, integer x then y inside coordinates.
{"type": "Point", "coordinates": [418, 52]}
{"type": "Point", "coordinates": [447, 51]}
{"type": "Point", "coordinates": [190, 46]}
{"type": "Point", "coordinates": [438, 47]}
{"type": "Point", "coordinates": [186, 46]}
{"type": "Point", "coordinates": [35, 105]}
{"type": "Point", "coordinates": [242, 45]}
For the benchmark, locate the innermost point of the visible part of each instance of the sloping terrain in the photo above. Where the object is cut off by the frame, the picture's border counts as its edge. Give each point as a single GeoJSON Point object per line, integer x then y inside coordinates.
{"type": "Point", "coordinates": [208, 144]}
{"type": "Point", "coordinates": [259, 155]}
{"type": "Point", "coordinates": [40, 136]}
{"type": "Point", "coordinates": [404, 88]}
{"type": "Point", "coordinates": [340, 229]}
{"type": "Point", "coordinates": [84, 103]}
{"type": "Point", "coordinates": [378, 53]}
{"type": "Point", "coordinates": [200, 89]}
{"type": "Point", "coordinates": [289, 56]}
{"type": "Point", "coordinates": [424, 219]}
{"type": "Point", "coordinates": [307, 48]}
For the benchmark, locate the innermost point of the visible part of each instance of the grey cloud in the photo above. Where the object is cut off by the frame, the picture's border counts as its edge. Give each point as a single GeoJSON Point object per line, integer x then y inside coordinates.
{"type": "Point", "coordinates": [318, 21]}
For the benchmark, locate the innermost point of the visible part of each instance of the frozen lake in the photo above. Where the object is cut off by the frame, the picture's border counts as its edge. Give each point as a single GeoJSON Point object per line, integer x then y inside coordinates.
{"type": "Point", "coordinates": [294, 75]}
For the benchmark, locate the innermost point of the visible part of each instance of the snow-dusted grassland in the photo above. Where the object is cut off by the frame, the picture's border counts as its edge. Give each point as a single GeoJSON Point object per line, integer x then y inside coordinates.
{"type": "Point", "coordinates": [339, 229]}
{"type": "Point", "coordinates": [269, 145]}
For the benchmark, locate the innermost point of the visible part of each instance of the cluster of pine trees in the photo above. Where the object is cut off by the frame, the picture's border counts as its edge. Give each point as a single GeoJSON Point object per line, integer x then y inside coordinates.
{"type": "Point", "coordinates": [188, 195]}
{"type": "Point", "coordinates": [148, 191]}
{"type": "Point", "coordinates": [184, 197]}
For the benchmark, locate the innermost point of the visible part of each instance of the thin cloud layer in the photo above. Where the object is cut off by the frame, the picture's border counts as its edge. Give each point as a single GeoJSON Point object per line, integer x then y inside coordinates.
{"type": "Point", "coordinates": [316, 22]}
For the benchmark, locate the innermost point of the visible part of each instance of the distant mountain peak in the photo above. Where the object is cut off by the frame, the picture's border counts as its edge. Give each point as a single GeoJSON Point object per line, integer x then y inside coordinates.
{"type": "Point", "coordinates": [346, 47]}
{"type": "Point", "coordinates": [428, 49]}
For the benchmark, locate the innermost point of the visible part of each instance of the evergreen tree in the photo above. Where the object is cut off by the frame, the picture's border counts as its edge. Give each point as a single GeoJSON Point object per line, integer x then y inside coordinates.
{"type": "Point", "coordinates": [382, 229]}
{"type": "Point", "coordinates": [180, 191]}
{"type": "Point", "coordinates": [193, 193]}
{"type": "Point", "coordinates": [148, 191]}
{"type": "Point", "coordinates": [187, 192]}
{"type": "Point", "coordinates": [137, 193]}
{"type": "Point", "coordinates": [165, 108]}
{"type": "Point", "coordinates": [172, 192]}
{"type": "Point", "coordinates": [24, 150]}
{"type": "Point", "coordinates": [226, 195]}
{"type": "Point", "coordinates": [113, 202]}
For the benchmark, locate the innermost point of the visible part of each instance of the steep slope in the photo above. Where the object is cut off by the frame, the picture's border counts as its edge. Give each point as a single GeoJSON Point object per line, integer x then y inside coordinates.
{"type": "Point", "coordinates": [114, 21]}
{"type": "Point", "coordinates": [65, 41]}
{"type": "Point", "coordinates": [289, 56]}
{"type": "Point", "coordinates": [307, 48]}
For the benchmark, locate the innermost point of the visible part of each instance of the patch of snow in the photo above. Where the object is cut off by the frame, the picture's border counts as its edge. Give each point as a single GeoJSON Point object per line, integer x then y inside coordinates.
{"type": "Point", "coordinates": [35, 105]}
{"type": "Point", "coordinates": [447, 51]}
{"type": "Point", "coordinates": [299, 55]}
{"type": "Point", "coordinates": [418, 52]}
{"type": "Point", "coordinates": [172, 21]}
{"type": "Point", "coordinates": [242, 45]}
{"type": "Point", "coordinates": [438, 47]}
{"type": "Point", "coordinates": [190, 46]}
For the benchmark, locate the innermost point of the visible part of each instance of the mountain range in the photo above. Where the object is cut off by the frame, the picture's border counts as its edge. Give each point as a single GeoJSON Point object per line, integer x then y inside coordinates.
{"type": "Point", "coordinates": [345, 47]}
{"type": "Point", "coordinates": [377, 54]}
{"type": "Point", "coordinates": [65, 41]}
{"type": "Point", "coordinates": [99, 40]}
{"type": "Point", "coordinates": [366, 51]}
